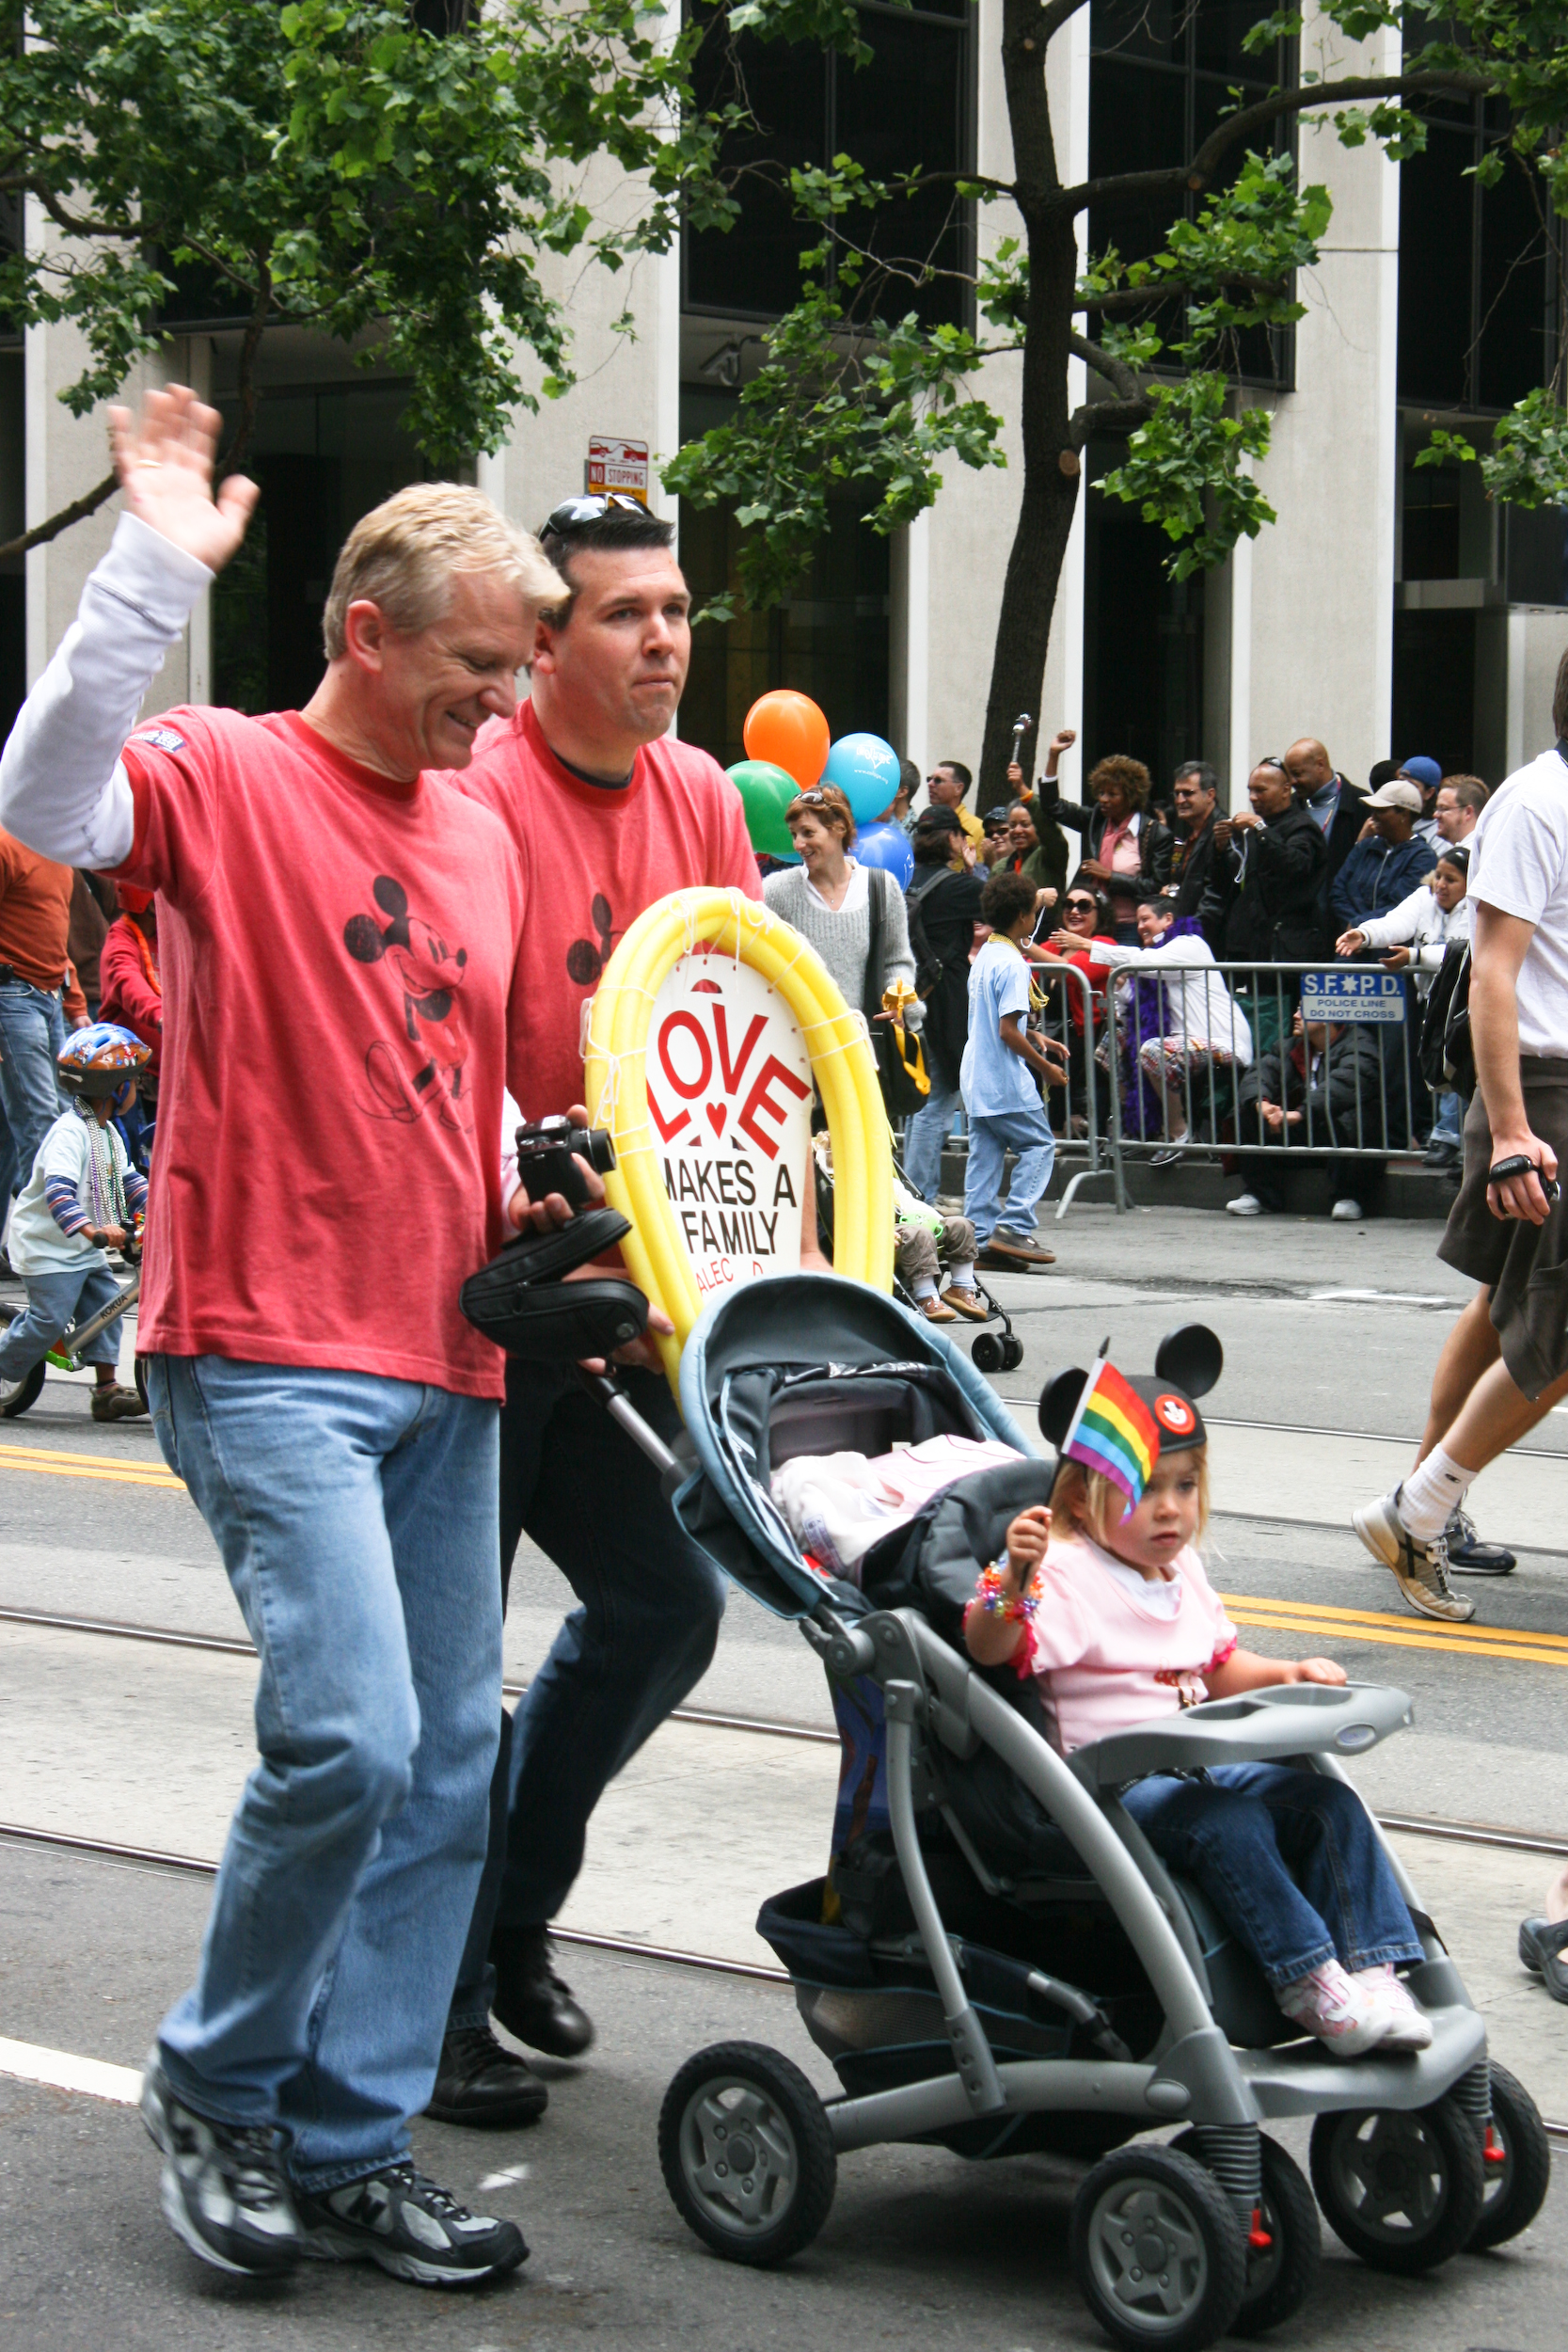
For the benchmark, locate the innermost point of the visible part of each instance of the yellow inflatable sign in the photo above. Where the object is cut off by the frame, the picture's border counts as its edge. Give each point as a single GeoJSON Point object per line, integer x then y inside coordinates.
{"type": "Point", "coordinates": [620, 1018]}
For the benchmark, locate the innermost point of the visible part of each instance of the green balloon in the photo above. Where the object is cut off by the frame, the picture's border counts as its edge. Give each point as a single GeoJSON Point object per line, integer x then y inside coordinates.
{"type": "Point", "coordinates": [765, 791]}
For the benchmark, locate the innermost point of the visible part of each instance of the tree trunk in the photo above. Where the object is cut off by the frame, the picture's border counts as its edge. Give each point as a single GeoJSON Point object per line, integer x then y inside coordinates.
{"type": "Point", "coordinates": [1050, 491]}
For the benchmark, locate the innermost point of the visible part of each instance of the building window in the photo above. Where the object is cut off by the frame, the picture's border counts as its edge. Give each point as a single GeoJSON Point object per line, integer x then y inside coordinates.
{"type": "Point", "coordinates": [828, 640]}
{"type": "Point", "coordinates": [1161, 73]}
{"type": "Point", "coordinates": [324, 455]}
{"type": "Point", "coordinates": [1480, 268]}
{"type": "Point", "coordinates": [911, 106]}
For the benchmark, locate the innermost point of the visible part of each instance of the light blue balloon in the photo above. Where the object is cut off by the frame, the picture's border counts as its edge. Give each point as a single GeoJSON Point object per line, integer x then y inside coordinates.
{"type": "Point", "coordinates": [866, 770]}
{"type": "Point", "coordinates": [887, 846]}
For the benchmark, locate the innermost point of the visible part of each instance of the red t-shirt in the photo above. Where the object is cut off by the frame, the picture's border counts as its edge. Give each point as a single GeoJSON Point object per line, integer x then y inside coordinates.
{"type": "Point", "coordinates": [337, 955]}
{"type": "Point", "coordinates": [593, 857]}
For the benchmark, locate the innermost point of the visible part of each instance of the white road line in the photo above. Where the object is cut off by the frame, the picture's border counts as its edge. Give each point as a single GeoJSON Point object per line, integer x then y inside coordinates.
{"type": "Point", "coordinates": [29, 2063]}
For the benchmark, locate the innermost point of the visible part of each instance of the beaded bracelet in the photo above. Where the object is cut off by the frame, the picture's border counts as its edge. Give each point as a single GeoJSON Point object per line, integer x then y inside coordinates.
{"type": "Point", "coordinates": [1014, 1607]}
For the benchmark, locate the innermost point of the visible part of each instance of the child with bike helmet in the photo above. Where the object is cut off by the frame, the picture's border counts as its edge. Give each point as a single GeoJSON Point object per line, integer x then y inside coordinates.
{"type": "Point", "coordinates": [82, 1196]}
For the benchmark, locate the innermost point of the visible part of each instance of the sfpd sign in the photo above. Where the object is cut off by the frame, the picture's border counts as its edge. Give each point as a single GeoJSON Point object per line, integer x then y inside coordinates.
{"type": "Point", "coordinates": [729, 1099]}
{"type": "Point", "coordinates": [1355, 993]}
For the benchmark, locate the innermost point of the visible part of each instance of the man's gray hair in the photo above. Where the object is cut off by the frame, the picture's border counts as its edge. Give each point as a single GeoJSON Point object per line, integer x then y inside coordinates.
{"type": "Point", "coordinates": [404, 554]}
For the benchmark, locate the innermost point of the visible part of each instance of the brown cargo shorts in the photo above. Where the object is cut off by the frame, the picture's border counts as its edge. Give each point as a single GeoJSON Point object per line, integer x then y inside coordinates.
{"type": "Point", "coordinates": [1524, 1267]}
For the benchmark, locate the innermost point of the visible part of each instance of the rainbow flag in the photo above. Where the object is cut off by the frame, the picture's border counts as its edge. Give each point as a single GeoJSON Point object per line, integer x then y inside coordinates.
{"type": "Point", "coordinates": [1114, 1432]}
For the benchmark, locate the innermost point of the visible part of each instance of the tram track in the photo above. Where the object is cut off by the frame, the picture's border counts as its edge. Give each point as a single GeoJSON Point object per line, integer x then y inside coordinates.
{"type": "Point", "coordinates": [708, 1963]}
{"type": "Point", "coordinates": [712, 1719]}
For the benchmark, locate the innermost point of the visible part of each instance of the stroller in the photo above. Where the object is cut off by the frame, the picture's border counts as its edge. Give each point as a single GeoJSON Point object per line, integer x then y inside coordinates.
{"type": "Point", "coordinates": [997, 1961]}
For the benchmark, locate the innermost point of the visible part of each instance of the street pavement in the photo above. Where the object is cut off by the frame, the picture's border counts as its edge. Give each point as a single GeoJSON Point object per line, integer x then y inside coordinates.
{"type": "Point", "coordinates": [1327, 1328]}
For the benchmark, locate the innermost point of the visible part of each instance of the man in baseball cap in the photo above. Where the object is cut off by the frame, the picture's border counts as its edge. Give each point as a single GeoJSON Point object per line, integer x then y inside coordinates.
{"type": "Point", "coordinates": [1387, 866]}
{"type": "Point", "coordinates": [1426, 775]}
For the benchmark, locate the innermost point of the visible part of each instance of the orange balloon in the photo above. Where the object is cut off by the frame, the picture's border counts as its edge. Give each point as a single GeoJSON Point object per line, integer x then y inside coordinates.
{"type": "Point", "coordinates": [788, 729]}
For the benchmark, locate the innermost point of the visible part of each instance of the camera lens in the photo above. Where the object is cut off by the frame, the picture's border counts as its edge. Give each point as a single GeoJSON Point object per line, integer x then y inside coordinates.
{"type": "Point", "coordinates": [597, 1150]}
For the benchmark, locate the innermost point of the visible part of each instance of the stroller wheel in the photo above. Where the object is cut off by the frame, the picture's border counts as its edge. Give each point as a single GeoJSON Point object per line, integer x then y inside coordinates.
{"type": "Point", "coordinates": [1012, 1353]}
{"type": "Point", "coordinates": [1157, 2251]}
{"type": "Point", "coordinates": [1516, 2161]}
{"type": "Point", "coordinates": [1404, 2191]}
{"type": "Point", "coordinates": [987, 1352]}
{"type": "Point", "coordinates": [17, 1396]}
{"type": "Point", "coordinates": [746, 2153]}
{"type": "Point", "coordinates": [1280, 2275]}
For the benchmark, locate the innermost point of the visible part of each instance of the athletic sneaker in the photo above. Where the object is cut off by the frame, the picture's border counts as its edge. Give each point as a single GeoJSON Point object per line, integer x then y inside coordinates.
{"type": "Point", "coordinates": [1340, 2013]}
{"type": "Point", "coordinates": [1468, 1556]}
{"type": "Point", "coordinates": [1244, 1204]}
{"type": "Point", "coordinates": [1411, 2026]}
{"type": "Point", "coordinates": [1346, 1212]}
{"type": "Point", "coordinates": [222, 2187]}
{"type": "Point", "coordinates": [398, 2218]}
{"type": "Point", "coordinates": [1420, 1570]}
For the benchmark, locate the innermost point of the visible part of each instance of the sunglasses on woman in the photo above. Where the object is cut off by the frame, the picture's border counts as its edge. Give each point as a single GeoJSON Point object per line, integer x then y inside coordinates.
{"type": "Point", "coordinates": [1081, 906]}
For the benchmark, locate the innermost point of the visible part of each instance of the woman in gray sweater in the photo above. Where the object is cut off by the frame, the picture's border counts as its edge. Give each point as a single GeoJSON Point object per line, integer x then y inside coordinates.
{"type": "Point", "coordinates": [827, 898]}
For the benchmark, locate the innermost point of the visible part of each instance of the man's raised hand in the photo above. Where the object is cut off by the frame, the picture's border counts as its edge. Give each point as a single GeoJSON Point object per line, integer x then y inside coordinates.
{"type": "Point", "coordinates": [165, 461]}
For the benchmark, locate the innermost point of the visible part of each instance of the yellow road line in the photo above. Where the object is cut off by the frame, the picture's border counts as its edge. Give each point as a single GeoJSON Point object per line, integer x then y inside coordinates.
{"type": "Point", "coordinates": [1317, 1613]}
{"type": "Point", "coordinates": [1402, 1639]}
{"type": "Point", "coordinates": [103, 1466]}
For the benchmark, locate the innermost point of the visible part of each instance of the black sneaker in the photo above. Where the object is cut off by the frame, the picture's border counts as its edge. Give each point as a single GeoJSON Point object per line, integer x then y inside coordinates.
{"type": "Point", "coordinates": [480, 2082]}
{"type": "Point", "coordinates": [1468, 1556]}
{"type": "Point", "coordinates": [400, 2219]}
{"type": "Point", "coordinates": [530, 1999]}
{"type": "Point", "coordinates": [223, 2186]}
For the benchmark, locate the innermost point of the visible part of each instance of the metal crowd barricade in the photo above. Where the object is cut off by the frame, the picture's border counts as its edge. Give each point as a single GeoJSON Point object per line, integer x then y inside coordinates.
{"type": "Point", "coordinates": [1172, 1054]}
{"type": "Point", "coordinates": [1060, 991]}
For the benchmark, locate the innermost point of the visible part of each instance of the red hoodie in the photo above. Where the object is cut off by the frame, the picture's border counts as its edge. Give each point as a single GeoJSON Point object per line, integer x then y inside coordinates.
{"type": "Point", "coordinates": [128, 975]}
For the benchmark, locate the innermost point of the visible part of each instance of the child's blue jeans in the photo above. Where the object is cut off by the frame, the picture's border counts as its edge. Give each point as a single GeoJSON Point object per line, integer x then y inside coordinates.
{"type": "Point", "coordinates": [1026, 1132]}
{"type": "Point", "coordinates": [1289, 1859]}
{"type": "Point", "coordinates": [72, 1295]}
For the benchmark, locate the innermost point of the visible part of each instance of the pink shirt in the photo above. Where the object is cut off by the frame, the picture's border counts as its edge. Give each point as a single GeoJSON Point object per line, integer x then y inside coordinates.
{"type": "Point", "coordinates": [1106, 1661]}
{"type": "Point", "coordinates": [339, 956]}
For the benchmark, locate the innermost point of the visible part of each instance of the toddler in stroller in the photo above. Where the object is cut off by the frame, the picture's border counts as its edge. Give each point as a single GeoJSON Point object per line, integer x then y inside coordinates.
{"type": "Point", "coordinates": [1017, 1946]}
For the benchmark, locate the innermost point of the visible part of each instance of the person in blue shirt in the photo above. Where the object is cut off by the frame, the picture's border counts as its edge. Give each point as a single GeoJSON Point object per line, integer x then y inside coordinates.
{"type": "Point", "coordinates": [1000, 1081]}
{"type": "Point", "coordinates": [1387, 866]}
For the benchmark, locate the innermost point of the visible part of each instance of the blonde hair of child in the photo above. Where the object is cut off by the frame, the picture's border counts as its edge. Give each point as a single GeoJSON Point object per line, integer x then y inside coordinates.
{"type": "Point", "coordinates": [1094, 1505]}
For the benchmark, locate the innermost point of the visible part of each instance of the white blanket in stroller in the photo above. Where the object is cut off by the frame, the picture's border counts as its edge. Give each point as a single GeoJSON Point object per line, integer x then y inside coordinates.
{"type": "Point", "coordinates": [837, 1505]}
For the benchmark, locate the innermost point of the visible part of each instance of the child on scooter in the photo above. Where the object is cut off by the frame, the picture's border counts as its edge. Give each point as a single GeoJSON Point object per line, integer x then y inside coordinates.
{"type": "Point", "coordinates": [82, 1196]}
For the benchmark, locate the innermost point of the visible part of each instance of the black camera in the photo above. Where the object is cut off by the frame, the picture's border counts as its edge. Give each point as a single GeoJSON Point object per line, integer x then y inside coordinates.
{"type": "Point", "coordinates": [547, 1153]}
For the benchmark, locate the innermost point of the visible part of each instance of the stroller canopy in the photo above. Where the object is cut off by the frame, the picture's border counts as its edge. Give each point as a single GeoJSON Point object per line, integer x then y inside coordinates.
{"type": "Point", "coordinates": [808, 1363]}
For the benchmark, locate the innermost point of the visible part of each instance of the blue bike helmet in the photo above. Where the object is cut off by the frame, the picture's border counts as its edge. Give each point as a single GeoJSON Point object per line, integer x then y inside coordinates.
{"type": "Point", "coordinates": [103, 1060]}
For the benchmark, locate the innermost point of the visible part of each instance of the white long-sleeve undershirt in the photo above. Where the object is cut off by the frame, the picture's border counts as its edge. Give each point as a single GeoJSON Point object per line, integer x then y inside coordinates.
{"type": "Point", "coordinates": [63, 787]}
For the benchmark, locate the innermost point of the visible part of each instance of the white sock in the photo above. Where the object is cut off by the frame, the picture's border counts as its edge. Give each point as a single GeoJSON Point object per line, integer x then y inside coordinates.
{"type": "Point", "coordinates": [961, 1277]}
{"type": "Point", "coordinates": [923, 1288]}
{"type": "Point", "coordinates": [1431, 1493]}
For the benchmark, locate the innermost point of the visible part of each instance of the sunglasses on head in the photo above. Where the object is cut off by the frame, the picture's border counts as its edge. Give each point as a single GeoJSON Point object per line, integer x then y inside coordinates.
{"type": "Point", "coordinates": [573, 513]}
{"type": "Point", "coordinates": [813, 798]}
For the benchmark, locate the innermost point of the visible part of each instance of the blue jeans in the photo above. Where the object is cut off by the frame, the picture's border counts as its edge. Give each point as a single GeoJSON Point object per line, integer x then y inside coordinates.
{"type": "Point", "coordinates": [74, 1295]}
{"type": "Point", "coordinates": [32, 1037]}
{"type": "Point", "coordinates": [1289, 1859]}
{"type": "Point", "coordinates": [644, 1630]}
{"type": "Point", "coordinates": [356, 1519]}
{"type": "Point", "coordinates": [925, 1135]}
{"type": "Point", "coordinates": [1449, 1126]}
{"type": "Point", "coordinates": [1027, 1133]}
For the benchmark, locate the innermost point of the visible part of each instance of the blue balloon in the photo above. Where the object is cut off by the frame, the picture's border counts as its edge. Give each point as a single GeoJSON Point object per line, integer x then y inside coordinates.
{"type": "Point", "coordinates": [887, 846]}
{"type": "Point", "coordinates": [866, 770]}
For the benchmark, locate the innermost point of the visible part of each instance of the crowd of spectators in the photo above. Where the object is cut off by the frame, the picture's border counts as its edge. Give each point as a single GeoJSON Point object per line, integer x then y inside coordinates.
{"type": "Point", "coordinates": [1146, 894]}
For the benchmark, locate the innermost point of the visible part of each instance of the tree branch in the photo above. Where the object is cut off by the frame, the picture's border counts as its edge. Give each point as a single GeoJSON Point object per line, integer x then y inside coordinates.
{"type": "Point", "coordinates": [78, 511]}
{"type": "Point", "coordinates": [1162, 289]}
{"type": "Point", "coordinates": [1193, 178]}
{"type": "Point", "coordinates": [1131, 407]}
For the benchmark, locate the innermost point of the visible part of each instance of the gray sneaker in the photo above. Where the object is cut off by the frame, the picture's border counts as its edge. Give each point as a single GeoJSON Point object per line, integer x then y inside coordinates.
{"type": "Point", "coordinates": [1420, 1570]}
{"type": "Point", "coordinates": [223, 2188]}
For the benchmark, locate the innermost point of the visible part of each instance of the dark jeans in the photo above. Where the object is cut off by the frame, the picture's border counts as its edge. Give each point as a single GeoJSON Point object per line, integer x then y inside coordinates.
{"type": "Point", "coordinates": [32, 1036]}
{"type": "Point", "coordinates": [1289, 1859]}
{"type": "Point", "coordinates": [650, 1604]}
{"type": "Point", "coordinates": [1349, 1179]}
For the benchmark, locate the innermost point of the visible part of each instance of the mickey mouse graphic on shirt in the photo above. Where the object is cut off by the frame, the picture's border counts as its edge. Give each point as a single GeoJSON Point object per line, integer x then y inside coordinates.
{"type": "Point", "coordinates": [405, 1079]}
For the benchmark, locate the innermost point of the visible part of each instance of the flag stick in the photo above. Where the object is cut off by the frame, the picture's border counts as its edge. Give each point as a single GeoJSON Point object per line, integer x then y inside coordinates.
{"type": "Point", "coordinates": [1084, 1397]}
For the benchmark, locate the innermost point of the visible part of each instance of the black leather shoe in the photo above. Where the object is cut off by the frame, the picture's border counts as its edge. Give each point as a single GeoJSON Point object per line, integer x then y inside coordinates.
{"type": "Point", "coordinates": [480, 2083]}
{"type": "Point", "coordinates": [1468, 1556]}
{"type": "Point", "coordinates": [530, 1999]}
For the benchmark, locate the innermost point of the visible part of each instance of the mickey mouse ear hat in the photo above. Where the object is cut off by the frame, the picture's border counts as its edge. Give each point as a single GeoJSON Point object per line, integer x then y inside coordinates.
{"type": "Point", "coordinates": [1187, 1364]}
